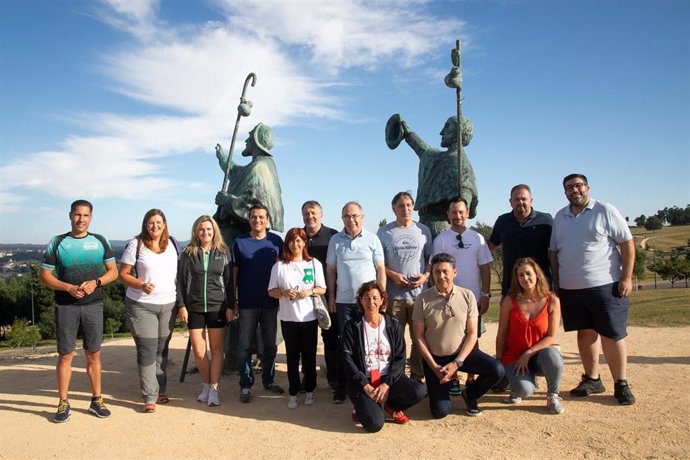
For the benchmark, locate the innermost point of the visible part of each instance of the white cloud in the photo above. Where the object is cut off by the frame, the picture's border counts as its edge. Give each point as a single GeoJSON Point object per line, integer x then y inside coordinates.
{"type": "Point", "coordinates": [193, 75]}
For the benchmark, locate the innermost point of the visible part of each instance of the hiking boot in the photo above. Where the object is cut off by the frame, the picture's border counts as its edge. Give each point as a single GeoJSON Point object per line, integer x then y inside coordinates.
{"type": "Point", "coordinates": [274, 388]}
{"type": "Point", "coordinates": [213, 397]}
{"type": "Point", "coordinates": [292, 402]}
{"type": "Point", "coordinates": [588, 386]}
{"type": "Point", "coordinates": [309, 398]}
{"type": "Point", "coordinates": [553, 403]}
{"type": "Point", "coordinates": [622, 393]}
{"type": "Point", "coordinates": [245, 395]}
{"type": "Point", "coordinates": [98, 408]}
{"type": "Point", "coordinates": [63, 412]}
{"type": "Point", "coordinates": [203, 396]}
{"type": "Point", "coordinates": [472, 409]}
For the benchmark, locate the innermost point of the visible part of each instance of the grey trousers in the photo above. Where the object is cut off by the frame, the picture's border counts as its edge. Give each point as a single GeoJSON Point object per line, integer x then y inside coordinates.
{"type": "Point", "coordinates": [547, 362]}
{"type": "Point", "coordinates": [151, 326]}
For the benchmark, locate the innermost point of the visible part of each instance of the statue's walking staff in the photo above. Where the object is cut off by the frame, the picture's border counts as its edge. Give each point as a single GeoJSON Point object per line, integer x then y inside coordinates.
{"type": "Point", "coordinates": [243, 110]}
{"type": "Point", "coordinates": [454, 80]}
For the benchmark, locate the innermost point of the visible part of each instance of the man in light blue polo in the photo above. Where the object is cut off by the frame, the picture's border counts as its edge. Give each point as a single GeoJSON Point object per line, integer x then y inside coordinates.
{"type": "Point", "coordinates": [355, 256]}
{"type": "Point", "coordinates": [592, 255]}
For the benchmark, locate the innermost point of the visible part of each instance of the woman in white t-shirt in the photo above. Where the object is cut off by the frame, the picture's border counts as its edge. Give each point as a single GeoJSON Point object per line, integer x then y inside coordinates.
{"type": "Point", "coordinates": [149, 268]}
{"type": "Point", "coordinates": [294, 279]}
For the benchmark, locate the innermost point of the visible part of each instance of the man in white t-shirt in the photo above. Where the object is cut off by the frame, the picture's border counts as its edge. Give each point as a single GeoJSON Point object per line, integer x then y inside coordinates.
{"type": "Point", "coordinates": [472, 258]}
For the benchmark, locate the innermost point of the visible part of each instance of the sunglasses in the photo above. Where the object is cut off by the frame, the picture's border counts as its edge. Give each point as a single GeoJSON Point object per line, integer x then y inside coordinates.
{"type": "Point", "coordinates": [461, 245]}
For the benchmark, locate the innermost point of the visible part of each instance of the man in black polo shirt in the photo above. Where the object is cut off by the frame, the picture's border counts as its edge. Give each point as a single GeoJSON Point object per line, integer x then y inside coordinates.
{"type": "Point", "coordinates": [523, 232]}
{"type": "Point", "coordinates": [319, 235]}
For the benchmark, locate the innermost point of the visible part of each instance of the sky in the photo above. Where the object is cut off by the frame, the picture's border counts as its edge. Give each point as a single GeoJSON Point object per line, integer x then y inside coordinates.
{"type": "Point", "coordinates": [121, 102]}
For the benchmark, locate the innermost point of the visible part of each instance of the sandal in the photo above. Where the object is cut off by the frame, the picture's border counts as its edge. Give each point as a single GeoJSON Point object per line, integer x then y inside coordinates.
{"type": "Point", "coordinates": [149, 408]}
{"type": "Point", "coordinates": [163, 399]}
{"type": "Point", "coordinates": [398, 416]}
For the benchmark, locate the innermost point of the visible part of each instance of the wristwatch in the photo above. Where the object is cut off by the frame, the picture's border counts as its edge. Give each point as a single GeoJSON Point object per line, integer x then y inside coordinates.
{"type": "Point", "coordinates": [486, 294]}
{"type": "Point", "coordinates": [458, 362]}
{"type": "Point", "coordinates": [98, 282]}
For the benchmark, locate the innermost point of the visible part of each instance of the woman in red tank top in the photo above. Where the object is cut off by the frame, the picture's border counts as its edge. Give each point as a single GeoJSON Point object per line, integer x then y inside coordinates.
{"type": "Point", "coordinates": [527, 328]}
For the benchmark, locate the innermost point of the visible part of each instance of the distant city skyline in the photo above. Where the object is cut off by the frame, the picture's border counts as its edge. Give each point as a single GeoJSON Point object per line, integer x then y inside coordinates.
{"type": "Point", "coordinates": [122, 103]}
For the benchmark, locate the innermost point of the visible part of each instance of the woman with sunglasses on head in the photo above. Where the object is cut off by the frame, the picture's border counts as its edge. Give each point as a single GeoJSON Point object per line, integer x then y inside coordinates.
{"type": "Point", "coordinates": [373, 351]}
{"type": "Point", "coordinates": [205, 295]}
{"type": "Point", "coordinates": [527, 327]}
{"type": "Point", "coordinates": [148, 268]}
{"type": "Point", "coordinates": [295, 278]}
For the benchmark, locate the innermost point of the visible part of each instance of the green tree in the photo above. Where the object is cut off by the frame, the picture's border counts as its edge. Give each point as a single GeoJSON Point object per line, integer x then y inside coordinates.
{"type": "Point", "coordinates": [639, 266]}
{"type": "Point", "coordinates": [497, 265]}
{"type": "Point", "coordinates": [653, 223]}
{"type": "Point", "coordinates": [671, 268]}
{"type": "Point", "coordinates": [383, 222]}
{"type": "Point", "coordinates": [640, 221]}
{"type": "Point", "coordinates": [22, 334]}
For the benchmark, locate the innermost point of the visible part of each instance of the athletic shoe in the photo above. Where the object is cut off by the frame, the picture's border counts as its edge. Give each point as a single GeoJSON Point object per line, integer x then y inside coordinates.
{"type": "Point", "coordinates": [398, 416]}
{"type": "Point", "coordinates": [514, 399]}
{"type": "Point", "coordinates": [98, 408]}
{"type": "Point", "coordinates": [553, 403]}
{"type": "Point", "coordinates": [163, 399]}
{"type": "Point", "coordinates": [622, 393]}
{"type": "Point", "coordinates": [355, 418]}
{"type": "Point", "coordinates": [339, 397]}
{"type": "Point", "coordinates": [588, 386]}
{"type": "Point", "coordinates": [292, 402]}
{"type": "Point", "coordinates": [309, 398]}
{"type": "Point", "coordinates": [245, 395]}
{"type": "Point", "coordinates": [213, 397]}
{"type": "Point", "coordinates": [501, 386]}
{"type": "Point", "coordinates": [472, 409]}
{"type": "Point", "coordinates": [149, 408]}
{"type": "Point", "coordinates": [455, 389]}
{"type": "Point", "coordinates": [63, 412]}
{"type": "Point", "coordinates": [274, 388]}
{"type": "Point", "coordinates": [203, 396]}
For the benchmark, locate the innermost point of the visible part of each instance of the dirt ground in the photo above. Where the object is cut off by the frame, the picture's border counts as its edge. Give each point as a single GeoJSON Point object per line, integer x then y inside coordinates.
{"type": "Point", "coordinates": [657, 426]}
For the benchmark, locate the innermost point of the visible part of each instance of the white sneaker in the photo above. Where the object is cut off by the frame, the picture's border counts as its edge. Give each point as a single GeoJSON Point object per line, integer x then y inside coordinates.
{"type": "Point", "coordinates": [203, 396]}
{"type": "Point", "coordinates": [514, 399]}
{"type": "Point", "coordinates": [553, 402]}
{"type": "Point", "coordinates": [292, 402]}
{"type": "Point", "coordinates": [309, 398]}
{"type": "Point", "coordinates": [214, 397]}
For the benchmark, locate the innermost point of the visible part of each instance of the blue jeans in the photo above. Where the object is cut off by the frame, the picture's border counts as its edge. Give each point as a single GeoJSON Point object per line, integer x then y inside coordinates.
{"type": "Point", "coordinates": [488, 370]}
{"type": "Point", "coordinates": [547, 362]}
{"type": "Point", "coordinates": [249, 319]}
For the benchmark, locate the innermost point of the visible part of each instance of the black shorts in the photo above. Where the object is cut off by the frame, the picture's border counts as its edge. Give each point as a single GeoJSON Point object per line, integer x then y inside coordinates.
{"type": "Point", "coordinates": [68, 318]}
{"type": "Point", "coordinates": [600, 308]}
{"type": "Point", "coordinates": [211, 319]}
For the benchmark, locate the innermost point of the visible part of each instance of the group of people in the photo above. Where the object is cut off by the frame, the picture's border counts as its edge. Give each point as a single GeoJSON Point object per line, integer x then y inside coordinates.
{"type": "Point", "coordinates": [576, 267]}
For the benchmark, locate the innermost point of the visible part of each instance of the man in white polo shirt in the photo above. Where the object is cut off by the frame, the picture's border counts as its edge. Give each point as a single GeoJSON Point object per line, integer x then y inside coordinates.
{"type": "Point", "coordinates": [592, 255]}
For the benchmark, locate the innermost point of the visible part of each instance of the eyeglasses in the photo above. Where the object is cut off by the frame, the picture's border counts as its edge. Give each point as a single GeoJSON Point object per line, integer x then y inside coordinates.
{"type": "Point", "coordinates": [351, 216]}
{"type": "Point", "coordinates": [461, 245]}
{"type": "Point", "coordinates": [571, 187]}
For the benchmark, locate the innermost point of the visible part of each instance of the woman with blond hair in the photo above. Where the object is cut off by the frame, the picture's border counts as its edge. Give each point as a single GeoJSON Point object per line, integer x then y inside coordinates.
{"type": "Point", "coordinates": [204, 297]}
{"type": "Point", "coordinates": [527, 327]}
{"type": "Point", "coordinates": [148, 268]}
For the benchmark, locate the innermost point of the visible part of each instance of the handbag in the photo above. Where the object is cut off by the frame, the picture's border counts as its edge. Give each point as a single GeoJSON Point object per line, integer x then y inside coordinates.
{"type": "Point", "coordinates": [320, 310]}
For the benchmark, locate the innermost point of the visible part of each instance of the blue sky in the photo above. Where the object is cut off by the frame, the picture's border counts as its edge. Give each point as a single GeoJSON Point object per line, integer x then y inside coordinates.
{"type": "Point", "coordinates": [122, 102]}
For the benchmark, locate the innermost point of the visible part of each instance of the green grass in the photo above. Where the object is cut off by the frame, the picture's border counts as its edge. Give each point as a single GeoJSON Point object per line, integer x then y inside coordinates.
{"type": "Point", "coordinates": [648, 307]}
{"type": "Point", "coordinates": [666, 239]}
